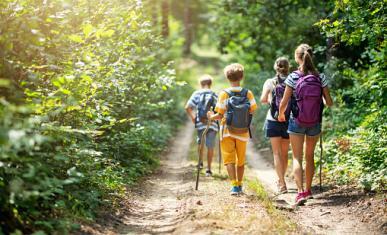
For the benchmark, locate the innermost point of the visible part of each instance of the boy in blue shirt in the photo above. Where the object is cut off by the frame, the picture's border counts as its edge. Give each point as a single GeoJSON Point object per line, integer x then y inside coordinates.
{"type": "Point", "coordinates": [201, 100]}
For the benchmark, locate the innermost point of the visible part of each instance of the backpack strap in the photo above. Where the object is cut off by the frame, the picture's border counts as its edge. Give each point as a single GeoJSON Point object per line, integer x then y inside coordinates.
{"type": "Point", "coordinates": [244, 92]}
{"type": "Point", "coordinates": [229, 93]}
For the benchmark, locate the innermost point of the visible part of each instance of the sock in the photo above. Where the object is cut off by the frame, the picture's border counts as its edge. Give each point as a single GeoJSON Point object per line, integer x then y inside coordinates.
{"type": "Point", "coordinates": [234, 183]}
{"type": "Point", "coordinates": [239, 183]}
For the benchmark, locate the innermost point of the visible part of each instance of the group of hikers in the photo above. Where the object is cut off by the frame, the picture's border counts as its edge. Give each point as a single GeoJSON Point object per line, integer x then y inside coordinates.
{"type": "Point", "coordinates": [296, 102]}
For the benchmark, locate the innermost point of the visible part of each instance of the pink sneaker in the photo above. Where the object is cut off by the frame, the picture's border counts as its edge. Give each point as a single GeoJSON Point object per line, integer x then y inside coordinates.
{"type": "Point", "coordinates": [308, 194]}
{"type": "Point", "coordinates": [300, 199]}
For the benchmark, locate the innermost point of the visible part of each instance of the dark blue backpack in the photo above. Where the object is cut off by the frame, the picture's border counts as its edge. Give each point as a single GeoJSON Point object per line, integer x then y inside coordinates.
{"type": "Point", "coordinates": [238, 117]}
{"type": "Point", "coordinates": [206, 103]}
{"type": "Point", "coordinates": [277, 94]}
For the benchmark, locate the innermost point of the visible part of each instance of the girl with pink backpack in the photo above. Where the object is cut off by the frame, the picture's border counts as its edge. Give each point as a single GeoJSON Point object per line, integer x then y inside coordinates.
{"type": "Point", "coordinates": [310, 91]}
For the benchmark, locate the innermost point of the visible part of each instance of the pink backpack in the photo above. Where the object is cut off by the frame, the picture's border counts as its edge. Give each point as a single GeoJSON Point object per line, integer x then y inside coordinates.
{"type": "Point", "coordinates": [309, 99]}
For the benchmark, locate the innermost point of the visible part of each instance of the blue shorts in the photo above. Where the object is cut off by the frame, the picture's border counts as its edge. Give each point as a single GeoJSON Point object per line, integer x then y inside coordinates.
{"type": "Point", "coordinates": [276, 129]}
{"type": "Point", "coordinates": [295, 129]}
{"type": "Point", "coordinates": [210, 138]}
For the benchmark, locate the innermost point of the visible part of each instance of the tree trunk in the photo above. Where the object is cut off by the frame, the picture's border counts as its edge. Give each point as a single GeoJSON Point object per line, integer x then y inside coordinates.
{"type": "Point", "coordinates": [164, 20]}
{"type": "Point", "coordinates": [187, 28]}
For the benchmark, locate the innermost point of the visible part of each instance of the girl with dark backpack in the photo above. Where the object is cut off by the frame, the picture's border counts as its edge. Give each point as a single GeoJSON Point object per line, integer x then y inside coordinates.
{"type": "Point", "coordinates": [272, 93]}
{"type": "Point", "coordinates": [310, 90]}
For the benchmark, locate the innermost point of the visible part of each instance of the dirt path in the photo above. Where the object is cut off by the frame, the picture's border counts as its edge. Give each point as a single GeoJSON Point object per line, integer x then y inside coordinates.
{"type": "Point", "coordinates": [167, 203]}
{"type": "Point", "coordinates": [335, 211]}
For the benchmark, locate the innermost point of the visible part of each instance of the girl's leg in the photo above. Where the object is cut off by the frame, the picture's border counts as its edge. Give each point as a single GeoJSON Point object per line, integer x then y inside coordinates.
{"type": "Point", "coordinates": [284, 155]}
{"type": "Point", "coordinates": [297, 142]}
{"type": "Point", "coordinates": [310, 145]}
{"type": "Point", "coordinates": [278, 163]}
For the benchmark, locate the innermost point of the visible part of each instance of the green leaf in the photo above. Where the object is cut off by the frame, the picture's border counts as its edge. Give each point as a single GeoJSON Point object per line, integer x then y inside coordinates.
{"type": "Point", "coordinates": [87, 29]}
{"type": "Point", "coordinates": [76, 38]}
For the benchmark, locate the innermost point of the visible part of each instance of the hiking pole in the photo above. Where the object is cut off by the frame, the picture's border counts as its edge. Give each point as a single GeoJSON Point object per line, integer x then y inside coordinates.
{"type": "Point", "coordinates": [220, 151]}
{"type": "Point", "coordinates": [321, 156]}
{"type": "Point", "coordinates": [200, 153]}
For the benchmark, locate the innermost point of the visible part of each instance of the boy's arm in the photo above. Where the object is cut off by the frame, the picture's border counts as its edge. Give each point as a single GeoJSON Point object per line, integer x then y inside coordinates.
{"type": "Point", "coordinates": [190, 113]}
{"type": "Point", "coordinates": [214, 116]}
{"type": "Point", "coordinates": [253, 104]}
{"type": "Point", "coordinates": [190, 106]}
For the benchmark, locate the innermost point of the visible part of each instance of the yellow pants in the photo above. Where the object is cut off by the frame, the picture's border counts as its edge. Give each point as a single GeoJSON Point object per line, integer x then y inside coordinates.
{"type": "Point", "coordinates": [233, 151]}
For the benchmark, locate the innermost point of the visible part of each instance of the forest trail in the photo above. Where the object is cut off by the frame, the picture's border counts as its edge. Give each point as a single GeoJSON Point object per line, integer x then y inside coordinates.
{"type": "Point", "coordinates": [166, 202]}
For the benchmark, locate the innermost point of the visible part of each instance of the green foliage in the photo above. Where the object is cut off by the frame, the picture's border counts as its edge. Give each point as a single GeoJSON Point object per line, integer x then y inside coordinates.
{"type": "Point", "coordinates": [87, 101]}
{"type": "Point", "coordinates": [356, 151]}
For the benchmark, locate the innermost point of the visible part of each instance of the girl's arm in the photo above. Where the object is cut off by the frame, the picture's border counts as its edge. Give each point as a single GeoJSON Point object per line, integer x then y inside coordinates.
{"type": "Point", "coordinates": [284, 103]}
{"type": "Point", "coordinates": [265, 95]}
{"type": "Point", "coordinates": [327, 97]}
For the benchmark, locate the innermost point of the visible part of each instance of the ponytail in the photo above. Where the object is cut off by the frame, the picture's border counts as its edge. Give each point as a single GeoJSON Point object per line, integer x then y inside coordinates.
{"type": "Point", "coordinates": [305, 54]}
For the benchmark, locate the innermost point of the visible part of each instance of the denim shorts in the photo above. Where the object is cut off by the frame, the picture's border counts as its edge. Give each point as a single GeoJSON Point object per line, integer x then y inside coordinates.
{"type": "Point", "coordinates": [276, 129]}
{"type": "Point", "coordinates": [210, 138]}
{"type": "Point", "coordinates": [295, 129]}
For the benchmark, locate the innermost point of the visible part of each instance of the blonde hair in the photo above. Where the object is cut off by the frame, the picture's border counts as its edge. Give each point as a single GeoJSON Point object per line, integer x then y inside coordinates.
{"type": "Point", "coordinates": [304, 53]}
{"type": "Point", "coordinates": [281, 66]}
{"type": "Point", "coordinates": [234, 72]}
{"type": "Point", "coordinates": [205, 80]}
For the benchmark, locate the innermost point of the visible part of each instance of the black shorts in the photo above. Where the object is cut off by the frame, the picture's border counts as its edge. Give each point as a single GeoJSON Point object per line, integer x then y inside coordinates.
{"type": "Point", "coordinates": [276, 129]}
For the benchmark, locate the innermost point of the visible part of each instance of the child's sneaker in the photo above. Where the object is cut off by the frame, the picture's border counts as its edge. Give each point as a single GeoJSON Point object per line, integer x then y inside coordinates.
{"type": "Point", "coordinates": [235, 190]}
{"type": "Point", "coordinates": [208, 173]}
{"type": "Point", "coordinates": [308, 194]}
{"type": "Point", "coordinates": [300, 199]}
{"type": "Point", "coordinates": [240, 189]}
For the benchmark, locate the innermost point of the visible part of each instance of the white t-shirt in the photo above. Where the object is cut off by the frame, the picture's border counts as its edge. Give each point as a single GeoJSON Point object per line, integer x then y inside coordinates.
{"type": "Point", "coordinates": [270, 85]}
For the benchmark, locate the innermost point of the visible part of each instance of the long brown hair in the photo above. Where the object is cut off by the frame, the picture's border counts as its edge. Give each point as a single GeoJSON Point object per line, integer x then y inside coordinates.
{"type": "Point", "coordinates": [304, 53]}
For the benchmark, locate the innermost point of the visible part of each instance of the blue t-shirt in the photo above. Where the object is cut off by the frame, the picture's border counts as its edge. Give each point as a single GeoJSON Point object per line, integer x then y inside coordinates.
{"type": "Point", "coordinates": [193, 103]}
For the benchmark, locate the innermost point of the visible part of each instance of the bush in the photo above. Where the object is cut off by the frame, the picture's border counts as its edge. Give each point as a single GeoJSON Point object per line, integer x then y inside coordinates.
{"type": "Point", "coordinates": [87, 102]}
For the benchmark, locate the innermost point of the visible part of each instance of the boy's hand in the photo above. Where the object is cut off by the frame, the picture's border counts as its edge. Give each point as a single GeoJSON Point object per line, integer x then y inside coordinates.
{"type": "Point", "coordinates": [210, 114]}
{"type": "Point", "coordinates": [281, 117]}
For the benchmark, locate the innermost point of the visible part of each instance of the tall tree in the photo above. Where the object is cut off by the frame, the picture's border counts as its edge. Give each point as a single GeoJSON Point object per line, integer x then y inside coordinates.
{"type": "Point", "coordinates": [165, 18]}
{"type": "Point", "coordinates": [187, 28]}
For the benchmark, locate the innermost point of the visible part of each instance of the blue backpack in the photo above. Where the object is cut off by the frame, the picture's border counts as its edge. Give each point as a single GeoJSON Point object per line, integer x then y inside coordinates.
{"type": "Point", "coordinates": [206, 103]}
{"type": "Point", "coordinates": [238, 117]}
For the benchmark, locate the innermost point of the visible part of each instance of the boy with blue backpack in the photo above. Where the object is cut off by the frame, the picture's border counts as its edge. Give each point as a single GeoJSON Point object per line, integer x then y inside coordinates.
{"type": "Point", "coordinates": [234, 108]}
{"type": "Point", "coordinates": [204, 100]}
